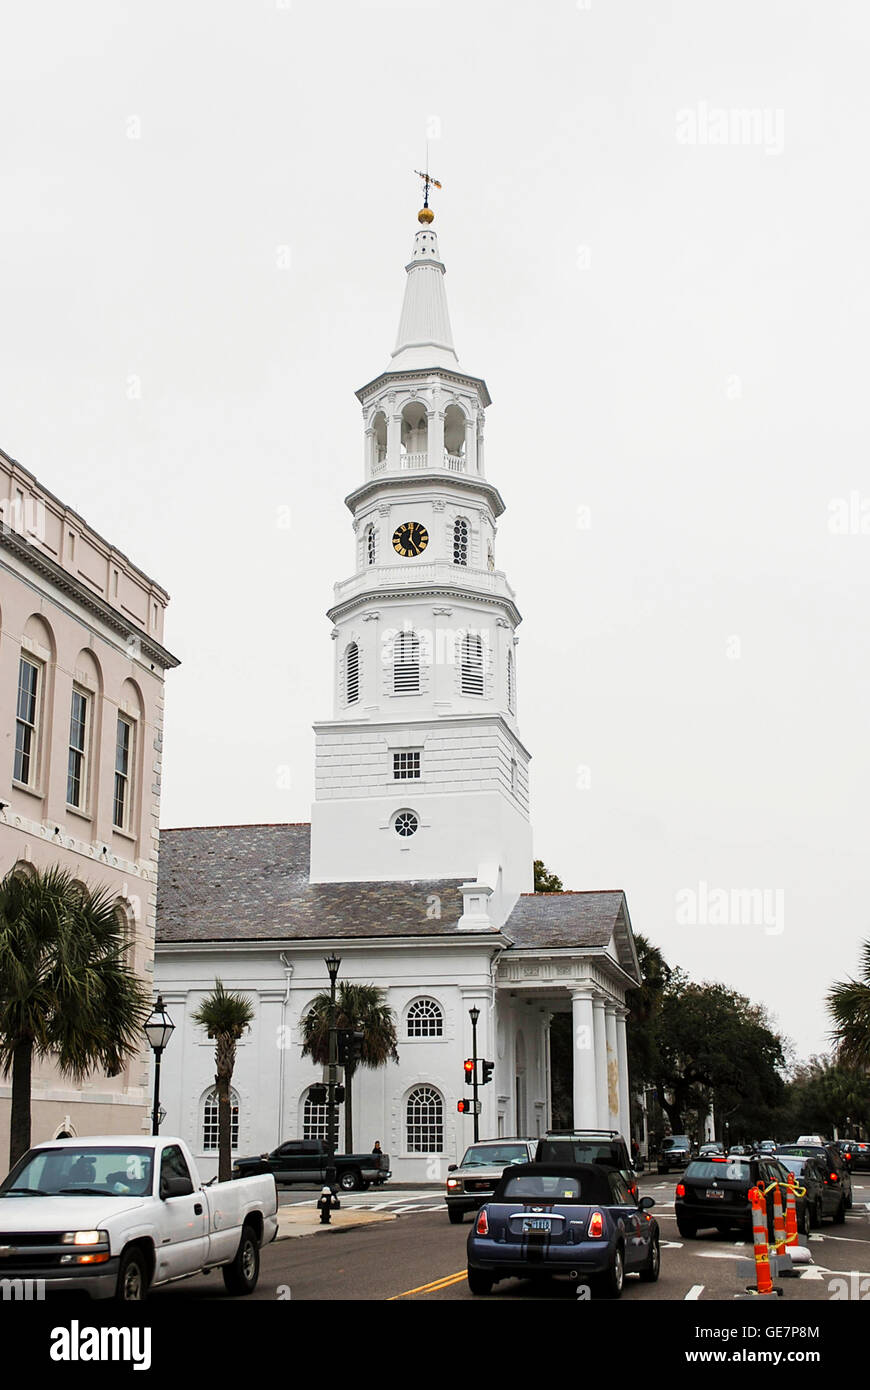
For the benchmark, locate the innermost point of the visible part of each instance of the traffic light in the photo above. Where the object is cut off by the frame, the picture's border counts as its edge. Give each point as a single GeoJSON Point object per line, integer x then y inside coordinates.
{"type": "Point", "coordinates": [464, 1107]}
{"type": "Point", "coordinates": [487, 1069]}
{"type": "Point", "coordinates": [468, 1068]}
{"type": "Point", "coordinates": [350, 1044]}
{"type": "Point", "coordinates": [317, 1095]}
{"type": "Point", "coordinates": [339, 1095]}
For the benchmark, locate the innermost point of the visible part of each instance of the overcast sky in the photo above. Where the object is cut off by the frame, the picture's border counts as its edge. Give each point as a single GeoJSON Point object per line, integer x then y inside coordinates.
{"type": "Point", "coordinates": [655, 224]}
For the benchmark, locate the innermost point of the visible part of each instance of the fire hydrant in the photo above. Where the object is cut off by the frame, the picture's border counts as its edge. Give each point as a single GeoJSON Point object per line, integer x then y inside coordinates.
{"type": "Point", "coordinates": [327, 1202]}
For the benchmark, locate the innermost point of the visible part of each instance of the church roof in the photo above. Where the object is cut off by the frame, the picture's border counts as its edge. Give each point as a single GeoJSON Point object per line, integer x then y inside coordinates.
{"type": "Point", "coordinates": [424, 338]}
{"type": "Point", "coordinates": [250, 883]}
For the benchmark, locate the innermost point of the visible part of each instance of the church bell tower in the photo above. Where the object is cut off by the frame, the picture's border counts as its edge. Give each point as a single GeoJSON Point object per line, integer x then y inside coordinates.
{"type": "Point", "coordinates": [420, 772]}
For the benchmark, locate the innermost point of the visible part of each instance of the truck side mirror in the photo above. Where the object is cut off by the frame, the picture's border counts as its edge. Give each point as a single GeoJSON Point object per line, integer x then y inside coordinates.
{"type": "Point", "coordinates": [451, 1167]}
{"type": "Point", "coordinates": [175, 1187]}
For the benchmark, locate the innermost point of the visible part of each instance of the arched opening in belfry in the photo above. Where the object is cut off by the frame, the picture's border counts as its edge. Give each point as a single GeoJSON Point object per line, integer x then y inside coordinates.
{"type": "Point", "coordinates": [415, 435]}
{"type": "Point", "coordinates": [379, 437]}
{"type": "Point", "coordinates": [454, 433]}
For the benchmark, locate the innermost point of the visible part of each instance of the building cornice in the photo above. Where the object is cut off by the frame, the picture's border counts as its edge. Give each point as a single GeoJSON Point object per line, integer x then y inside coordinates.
{"type": "Point", "coordinates": [68, 584]}
{"type": "Point", "coordinates": [423, 375]}
{"type": "Point", "coordinates": [465, 940]}
{"type": "Point", "coordinates": [403, 481]}
{"type": "Point", "coordinates": [387, 592]}
{"type": "Point", "coordinates": [436, 721]}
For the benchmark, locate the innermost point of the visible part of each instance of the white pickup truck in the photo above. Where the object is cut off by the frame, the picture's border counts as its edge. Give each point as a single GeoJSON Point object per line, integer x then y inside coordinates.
{"type": "Point", "coordinates": [117, 1215]}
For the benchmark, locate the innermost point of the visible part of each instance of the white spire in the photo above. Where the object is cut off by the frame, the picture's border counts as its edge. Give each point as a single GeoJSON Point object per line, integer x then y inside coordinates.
{"type": "Point", "coordinates": [424, 338]}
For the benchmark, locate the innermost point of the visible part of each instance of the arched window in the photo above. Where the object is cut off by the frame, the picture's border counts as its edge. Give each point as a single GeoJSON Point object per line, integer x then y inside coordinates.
{"type": "Point", "coordinates": [406, 664]}
{"type": "Point", "coordinates": [210, 1107]}
{"type": "Point", "coordinates": [425, 1019]}
{"type": "Point", "coordinates": [315, 1121]}
{"type": "Point", "coordinates": [510, 681]}
{"type": "Point", "coordinates": [472, 665]}
{"type": "Point", "coordinates": [460, 541]}
{"type": "Point", "coordinates": [371, 545]}
{"type": "Point", "coordinates": [351, 673]}
{"type": "Point", "coordinates": [425, 1121]}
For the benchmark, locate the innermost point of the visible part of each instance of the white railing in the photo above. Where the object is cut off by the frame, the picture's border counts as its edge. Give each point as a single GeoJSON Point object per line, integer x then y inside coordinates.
{"type": "Point", "coordinates": [454, 463]}
{"type": "Point", "coordinates": [415, 572]}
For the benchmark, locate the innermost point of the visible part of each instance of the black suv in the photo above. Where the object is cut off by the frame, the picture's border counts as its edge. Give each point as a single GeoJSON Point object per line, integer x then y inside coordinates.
{"type": "Point", "coordinates": [604, 1146]}
{"type": "Point", "coordinates": [715, 1192]}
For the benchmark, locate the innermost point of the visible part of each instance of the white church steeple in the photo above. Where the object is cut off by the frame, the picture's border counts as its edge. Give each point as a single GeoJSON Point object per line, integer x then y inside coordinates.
{"type": "Point", "coordinates": [421, 773]}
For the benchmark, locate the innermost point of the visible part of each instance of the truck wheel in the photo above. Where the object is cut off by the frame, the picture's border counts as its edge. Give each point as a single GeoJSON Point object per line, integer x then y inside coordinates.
{"type": "Point", "coordinates": [241, 1276]}
{"type": "Point", "coordinates": [132, 1284]}
{"type": "Point", "coordinates": [350, 1181]}
{"type": "Point", "coordinates": [456, 1214]}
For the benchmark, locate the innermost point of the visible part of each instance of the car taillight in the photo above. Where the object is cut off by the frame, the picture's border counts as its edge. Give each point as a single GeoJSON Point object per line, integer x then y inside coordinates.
{"type": "Point", "coordinates": [482, 1227]}
{"type": "Point", "coordinates": [834, 1177]}
{"type": "Point", "coordinates": [596, 1225]}
{"type": "Point", "coordinates": [632, 1187]}
{"type": "Point", "coordinates": [680, 1189]}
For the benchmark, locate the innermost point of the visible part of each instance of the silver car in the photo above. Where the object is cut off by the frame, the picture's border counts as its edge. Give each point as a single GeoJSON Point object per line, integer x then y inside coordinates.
{"type": "Point", "coordinates": [473, 1181]}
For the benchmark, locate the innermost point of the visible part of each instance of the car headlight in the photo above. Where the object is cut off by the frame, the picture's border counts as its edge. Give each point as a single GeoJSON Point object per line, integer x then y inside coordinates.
{"type": "Point", "coordinates": [453, 1182]}
{"type": "Point", "coordinates": [83, 1237]}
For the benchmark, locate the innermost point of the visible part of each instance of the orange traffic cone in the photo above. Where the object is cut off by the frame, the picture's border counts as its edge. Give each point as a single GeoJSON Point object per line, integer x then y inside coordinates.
{"type": "Point", "coordinates": [779, 1234]}
{"type": "Point", "coordinates": [764, 1283]}
{"type": "Point", "coordinates": [791, 1227]}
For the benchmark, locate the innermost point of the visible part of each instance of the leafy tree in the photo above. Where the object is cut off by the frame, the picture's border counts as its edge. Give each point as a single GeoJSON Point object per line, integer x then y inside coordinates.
{"type": "Point", "coordinates": [645, 1006]}
{"type": "Point", "coordinates": [545, 882]}
{"type": "Point", "coordinates": [225, 1016]}
{"type": "Point", "coordinates": [824, 1095]}
{"type": "Point", "coordinates": [713, 1042]}
{"type": "Point", "coordinates": [66, 986]}
{"type": "Point", "coordinates": [849, 1005]}
{"type": "Point", "coordinates": [362, 1008]}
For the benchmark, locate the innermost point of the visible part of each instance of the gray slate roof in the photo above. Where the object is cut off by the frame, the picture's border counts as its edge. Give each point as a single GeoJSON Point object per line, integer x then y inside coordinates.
{"type": "Point", "coordinates": [250, 883]}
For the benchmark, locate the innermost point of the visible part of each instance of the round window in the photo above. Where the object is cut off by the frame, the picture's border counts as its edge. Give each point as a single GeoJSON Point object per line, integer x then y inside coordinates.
{"type": "Point", "coordinates": [406, 823]}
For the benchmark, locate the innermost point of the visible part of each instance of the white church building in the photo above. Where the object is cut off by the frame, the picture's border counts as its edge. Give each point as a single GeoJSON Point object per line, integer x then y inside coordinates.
{"type": "Point", "coordinates": [417, 867]}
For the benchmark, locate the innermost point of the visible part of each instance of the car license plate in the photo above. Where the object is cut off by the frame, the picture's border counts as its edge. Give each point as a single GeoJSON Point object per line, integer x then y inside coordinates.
{"type": "Point", "coordinates": [535, 1223]}
{"type": "Point", "coordinates": [715, 1192]}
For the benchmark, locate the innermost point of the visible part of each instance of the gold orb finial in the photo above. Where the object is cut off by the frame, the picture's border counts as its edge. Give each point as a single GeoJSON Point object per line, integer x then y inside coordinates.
{"type": "Point", "coordinates": [425, 215]}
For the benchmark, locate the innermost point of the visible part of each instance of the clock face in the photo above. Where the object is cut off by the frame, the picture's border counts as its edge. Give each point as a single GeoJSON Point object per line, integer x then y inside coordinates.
{"type": "Point", "coordinates": [411, 538]}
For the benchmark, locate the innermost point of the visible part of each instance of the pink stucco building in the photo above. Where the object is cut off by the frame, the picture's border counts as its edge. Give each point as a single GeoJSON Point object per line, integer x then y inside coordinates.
{"type": "Point", "coordinates": [82, 665]}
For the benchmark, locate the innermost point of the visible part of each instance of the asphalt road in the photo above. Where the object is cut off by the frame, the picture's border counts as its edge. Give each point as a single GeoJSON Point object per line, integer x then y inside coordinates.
{"type": "Point", "coordinates": [420, 1257]}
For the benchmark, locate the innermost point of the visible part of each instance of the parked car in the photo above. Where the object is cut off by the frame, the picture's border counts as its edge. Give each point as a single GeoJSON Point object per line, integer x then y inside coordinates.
{"type": "Point", "coordinates": [575, 1219]}
{"type": "Point", "coordinates": [675, 1152]}
{"type": "Point", "coordinates": [605, 1146]}
{"type": "Point", "coordinates": [714, 1192]}
{"type": "Point", "coordinates": [824, 1198]}
{"type": "Point", "coordinates": [305, 1160]}
{"type": "Point", "coordinates": [473, 1181]}
{"type": "Point", "coordinates": [116, 1215]}
{"type": "Point", "coordinates": [830, 1155]}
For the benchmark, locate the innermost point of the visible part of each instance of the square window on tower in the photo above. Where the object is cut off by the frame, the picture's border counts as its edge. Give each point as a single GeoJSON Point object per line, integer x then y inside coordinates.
{"type": "Point", "coordinates": [406, 766]}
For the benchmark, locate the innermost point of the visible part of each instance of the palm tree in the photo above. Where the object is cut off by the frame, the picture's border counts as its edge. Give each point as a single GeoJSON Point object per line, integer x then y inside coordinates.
{"type": "Point", "coordinates": [849, 1005]}
{"type": "Point", "coordinates": [361, 1008]}
{"type": "Point", "coordinates": [66, 985]}
{"type": "Point", "coordinates": [224, 1016]}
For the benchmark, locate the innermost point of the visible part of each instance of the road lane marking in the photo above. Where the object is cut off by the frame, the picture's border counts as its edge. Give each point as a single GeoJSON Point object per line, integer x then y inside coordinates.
{"type": "Point", "coordinates": [694, 1293]}
{"type": "Point", "coordinates": [431, 1288]}
{"type": "Point", "coordinates": [853, 1240]}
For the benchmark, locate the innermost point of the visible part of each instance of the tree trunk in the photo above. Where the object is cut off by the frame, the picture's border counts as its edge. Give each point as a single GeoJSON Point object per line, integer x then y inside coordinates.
{"type": "Point", "coordinates": [19, 1119]}
{"type": "Point", "coordinates": [224, 1128]}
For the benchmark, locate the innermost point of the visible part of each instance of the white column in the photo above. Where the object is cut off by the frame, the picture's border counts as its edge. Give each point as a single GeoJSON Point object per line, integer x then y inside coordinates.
{"type": "Point", "coordinates": [614, 1116]}
{"type": "Point", "coordinates": [369, 452]}
{"type": "Point", "coordinates": [603, 1120]}
{"type": "Point", "coordinates": [622, 1059]}
{"type": "Point", "coordinates": [583, 1054]}
{"type": "Point", "coordinates": [471, 445]}
{"type": "Point", "coordinates": [435, 438]}
{"type": "Point", "coordinates": [394, 440]}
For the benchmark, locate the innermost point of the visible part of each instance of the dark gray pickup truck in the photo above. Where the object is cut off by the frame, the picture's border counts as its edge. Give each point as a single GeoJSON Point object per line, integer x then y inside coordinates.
{"type": "Point", "coordinates": [304, 1160]}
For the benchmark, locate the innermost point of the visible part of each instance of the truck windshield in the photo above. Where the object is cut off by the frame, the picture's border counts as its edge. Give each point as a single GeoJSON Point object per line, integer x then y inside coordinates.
{"type": "Point", "coordinates": [81, 1171]}
{"type": "Point", "coordinates": [495, 1155]}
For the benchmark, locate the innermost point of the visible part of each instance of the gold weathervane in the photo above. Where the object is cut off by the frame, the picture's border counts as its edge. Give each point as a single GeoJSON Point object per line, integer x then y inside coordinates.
{"type": "Point", "coordinates": [426, 214]}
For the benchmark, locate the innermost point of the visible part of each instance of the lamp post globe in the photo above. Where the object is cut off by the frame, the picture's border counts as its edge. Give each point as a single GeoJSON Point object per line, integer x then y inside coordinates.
{"type": "Point", "coordinates": [158, 1029]}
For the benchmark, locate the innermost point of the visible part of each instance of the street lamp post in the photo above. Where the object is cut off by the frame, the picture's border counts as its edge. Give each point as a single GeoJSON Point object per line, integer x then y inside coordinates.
{"type": "Point", "coordinates": [474, 1015]}
{"type": "Point", "coordinates": [158, 1028]}
{"type": "Point", "coordinates": [332, 964]}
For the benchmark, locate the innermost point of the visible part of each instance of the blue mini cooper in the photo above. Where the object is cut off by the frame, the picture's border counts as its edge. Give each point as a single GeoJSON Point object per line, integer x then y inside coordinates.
{"type": "Point", "coordinates": [579, 1220]}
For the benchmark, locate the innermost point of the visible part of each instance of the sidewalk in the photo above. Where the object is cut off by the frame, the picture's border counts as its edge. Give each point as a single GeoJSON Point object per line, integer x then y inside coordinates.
{"type": "Point", "coordinates": [305, 1220]}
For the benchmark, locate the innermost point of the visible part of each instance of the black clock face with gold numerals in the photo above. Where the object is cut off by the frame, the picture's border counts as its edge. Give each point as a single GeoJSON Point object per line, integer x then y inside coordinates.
{"type": "Point", "coordinates": [411, 538]}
